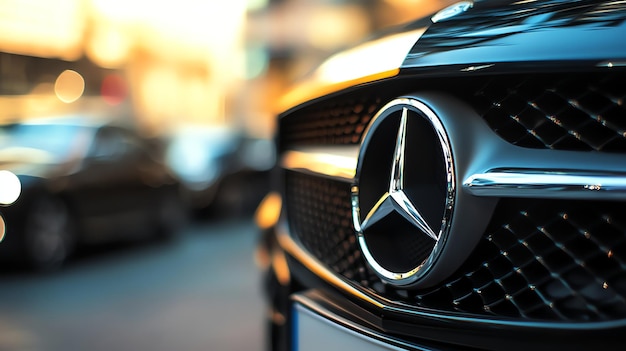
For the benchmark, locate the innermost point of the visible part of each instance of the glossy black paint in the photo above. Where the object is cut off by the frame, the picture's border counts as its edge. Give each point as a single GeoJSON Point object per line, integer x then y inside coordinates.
{"type": "Point", "coordinates": [495, 34]}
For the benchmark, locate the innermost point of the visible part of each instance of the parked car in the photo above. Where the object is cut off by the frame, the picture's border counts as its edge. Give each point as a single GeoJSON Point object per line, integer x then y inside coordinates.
{"type": "Point", "coordinates": [457, 183]}
{"type": "Point", "coordinates": [220, 169]}
{"type": "Point", "coordinates": [84, 182]}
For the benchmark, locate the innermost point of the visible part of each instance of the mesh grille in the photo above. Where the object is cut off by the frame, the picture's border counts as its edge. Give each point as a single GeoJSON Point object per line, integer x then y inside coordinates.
{"type": "Point", "coordinates": [332, 123]}
{"type": "Point", "coordinates": [581, 112]}
{"type": "Point", "coordinates": [540, 260]}
{"type": "Point", "coordinates": [320, 213]}
{"type": "Point", "coordinates": [554, 260]}
{"type": "Point", "coordinates": [565, 112]}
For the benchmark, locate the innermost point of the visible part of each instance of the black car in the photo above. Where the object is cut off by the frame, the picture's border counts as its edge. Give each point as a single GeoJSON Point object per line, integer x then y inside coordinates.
{"type": "Point", "coordinates": [84, 182]}
{"type": "Point", "coordinates": [457, 183]}
{"type": "Point", "coordinates": [220, 169]}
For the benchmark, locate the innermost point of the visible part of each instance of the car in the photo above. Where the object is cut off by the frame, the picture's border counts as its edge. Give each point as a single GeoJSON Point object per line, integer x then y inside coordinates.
{"type": "Point", "coordinates": [456, 183]}
{"type": "Point", "coordinates": [219, 167]}
{"type": "Point", "coordinates": [85, 181]}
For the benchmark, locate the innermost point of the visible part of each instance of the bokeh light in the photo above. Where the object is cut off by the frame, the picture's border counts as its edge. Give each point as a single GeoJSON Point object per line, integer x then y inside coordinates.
{"type": "Point", "coordinates": [113, 89]}
{"type": "Point", "coordinates": [69, 86]}
{"type": "Point", "coordinates": [2, 228]}
{"type": "Point", "coordinates": [10, 188]}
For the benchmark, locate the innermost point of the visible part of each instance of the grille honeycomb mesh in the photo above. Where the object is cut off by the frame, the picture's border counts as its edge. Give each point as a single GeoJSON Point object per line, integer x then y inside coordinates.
{"type": "Point", "coordinates": [553, 260]}
{"type": "Point", "coordinates": [320, 213]}
{"type": "Point", "coordinates": [563, 113]}
{"type": "Point", "coordinates": [539, 260]}
{"type": "Point", "coordinates": [579, 112]}
{"type": "Point", "coordinates": [332, 123]}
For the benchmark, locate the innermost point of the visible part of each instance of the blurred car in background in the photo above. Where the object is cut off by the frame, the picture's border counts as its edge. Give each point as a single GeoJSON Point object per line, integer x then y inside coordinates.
{"type": "Point", "coordinates": [219, 168]}
{"type": "Point", "coordinates": [458, 183]}
{"type": "Point", "coordinates": [201, 156]}
{"type": "Point", "coordinates": [84, 182]}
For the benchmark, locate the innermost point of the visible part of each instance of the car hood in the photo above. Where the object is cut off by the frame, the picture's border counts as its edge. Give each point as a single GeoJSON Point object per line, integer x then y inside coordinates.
{"type": "Point", "coordinates": [486, 36]}
{"type": "Point", "coordinates": [495, 33]}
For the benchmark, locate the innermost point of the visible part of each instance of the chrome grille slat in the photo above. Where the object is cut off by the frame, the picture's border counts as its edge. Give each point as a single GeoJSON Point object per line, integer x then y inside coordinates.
{"type": "Point", "coordinates": [338, 162]}
{"type": "Point", "coordinates": [533, 183]}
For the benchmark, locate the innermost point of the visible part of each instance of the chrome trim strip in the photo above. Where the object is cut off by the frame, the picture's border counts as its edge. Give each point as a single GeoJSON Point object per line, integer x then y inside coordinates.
{"type": "Point", "coordinates": [334, 162]}
{"type": "Point", "coordinates": [548, 184]}
{"type": "Point", "coordinates": [291, 247]}
{"type": "Point", "coordinates": [366, 63]}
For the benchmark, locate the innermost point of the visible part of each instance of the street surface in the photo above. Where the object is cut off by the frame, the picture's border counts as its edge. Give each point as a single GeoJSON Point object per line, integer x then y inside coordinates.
{"type": "Point", "coordinates": [198, 293]}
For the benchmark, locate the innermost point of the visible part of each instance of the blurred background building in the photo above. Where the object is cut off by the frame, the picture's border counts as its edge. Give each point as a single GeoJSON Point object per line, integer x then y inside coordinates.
{"type": "Point", "coordinates": [205, 76]}
{"type": "Point", "coordinates": [166, 63]}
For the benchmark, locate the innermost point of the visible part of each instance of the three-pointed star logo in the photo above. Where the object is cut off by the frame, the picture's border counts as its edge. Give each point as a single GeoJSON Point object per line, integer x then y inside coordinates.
{"type": "Point", "coordinates": [395, 199]}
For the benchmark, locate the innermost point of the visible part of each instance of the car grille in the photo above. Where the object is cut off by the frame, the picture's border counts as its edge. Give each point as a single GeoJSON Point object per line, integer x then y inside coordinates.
{"type": "Point", "coordinates": [584, 112]}
{"type": "Point", "coordinates": [555, 260]}
{"type": "Point", "coordinates": [547, 260]}
{"type": "Point", "coordinates": [561, 113]}
{"type": "Point", "coordinates": [539, 260]}
{"type": "Point", "coordinates": [320, 213]}
{"type": "Point", "coordinates": [335, 123]}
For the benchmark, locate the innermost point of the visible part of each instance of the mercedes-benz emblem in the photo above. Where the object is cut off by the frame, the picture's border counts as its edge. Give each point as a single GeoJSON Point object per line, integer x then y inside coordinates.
{"type": "Point", "coordinates": [403, 196]}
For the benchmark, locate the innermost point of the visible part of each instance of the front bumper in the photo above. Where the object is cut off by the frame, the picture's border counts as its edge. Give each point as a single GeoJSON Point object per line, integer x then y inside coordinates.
{"type": "Point", "coordinates": [344, 327]}
{"type": "Point", "coordinates": [347, 319]}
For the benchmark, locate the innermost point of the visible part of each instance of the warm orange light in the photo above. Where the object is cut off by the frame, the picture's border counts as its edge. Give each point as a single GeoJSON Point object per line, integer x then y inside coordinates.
{"type": "Point", "coordinates": [268, 212]}
{"type": "Point", "coordinates": [408, 10]}
{"type": "Point", "coordinates": [2, 228]}
{"type": "Point", "coordinates": [109, 46]}
{"type": "Point", "coordinates": [372, 58]}
{"type": "Point", "coordinates": [43, 28]}
{"type": "Point", "coordinates": [281, 269]}
{"type": "Point", "coordinates": [44, 88]}
{"type": "Point", "coordinates": [339, 163]}
{"type": "Point", "coordinates": [69, 86]}
{"type": "Point", "coordinates": [190, 28]}
{"type": "Point", "coordinates": [366, 63]}
{"type": "Point", "coordinates": [331, 27]}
